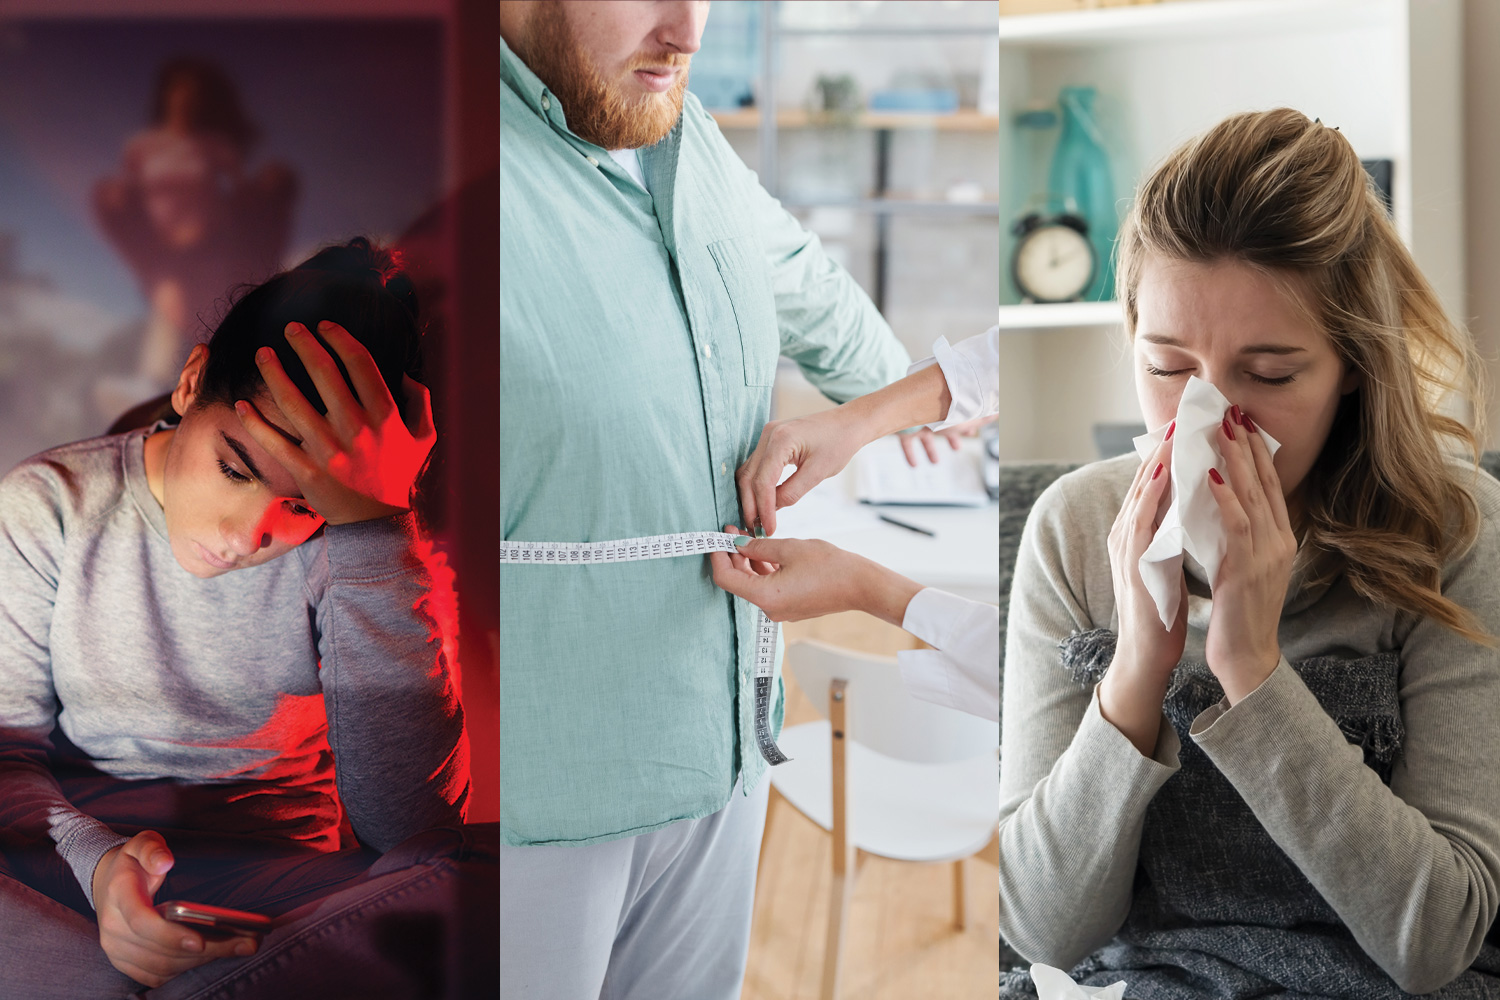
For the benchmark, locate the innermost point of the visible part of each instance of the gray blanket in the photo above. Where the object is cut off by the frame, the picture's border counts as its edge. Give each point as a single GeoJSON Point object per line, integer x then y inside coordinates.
{"type": "Point", "coordinates": [1218, 910]}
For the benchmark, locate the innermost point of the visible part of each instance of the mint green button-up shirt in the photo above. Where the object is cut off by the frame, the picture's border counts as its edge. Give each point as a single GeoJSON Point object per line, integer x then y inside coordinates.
{"type": "Point", "coordinates": [639, 332]}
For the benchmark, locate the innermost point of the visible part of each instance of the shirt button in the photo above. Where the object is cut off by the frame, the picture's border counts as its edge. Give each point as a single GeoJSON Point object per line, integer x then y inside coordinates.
{"type": "Point", "coordinates": [593, 162]}
{"type": "Point", "coordinates": [723, 469]}
{"type": "Point", "coordinates": [546, 103]}
{"type": "Point", "coordinates": [708, 350]}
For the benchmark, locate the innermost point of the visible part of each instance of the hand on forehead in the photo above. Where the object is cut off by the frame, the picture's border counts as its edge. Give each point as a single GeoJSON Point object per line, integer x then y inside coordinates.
{"type": "Point", "coordinates": [259, 462]}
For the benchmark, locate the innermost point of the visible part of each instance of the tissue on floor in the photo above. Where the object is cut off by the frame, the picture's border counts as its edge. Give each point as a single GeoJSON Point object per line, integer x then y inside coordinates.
{"type": "Point", "coordinates": [1054, 984]}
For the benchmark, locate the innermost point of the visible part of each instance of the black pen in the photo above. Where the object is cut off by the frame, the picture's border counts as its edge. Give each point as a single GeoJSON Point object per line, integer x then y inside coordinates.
{"type": "Point", "coordinates": [908, 527]}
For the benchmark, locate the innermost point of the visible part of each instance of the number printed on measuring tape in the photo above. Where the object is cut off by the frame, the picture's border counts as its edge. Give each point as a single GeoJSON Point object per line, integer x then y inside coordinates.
{"type": "Point", "coordinates": [685, 543]}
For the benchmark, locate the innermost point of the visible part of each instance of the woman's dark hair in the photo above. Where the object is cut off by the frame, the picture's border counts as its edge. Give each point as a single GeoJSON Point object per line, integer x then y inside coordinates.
{"type": "Point", "coordinates": [357, 285]}
{"type": "Point", "coordinates": [218, 109]}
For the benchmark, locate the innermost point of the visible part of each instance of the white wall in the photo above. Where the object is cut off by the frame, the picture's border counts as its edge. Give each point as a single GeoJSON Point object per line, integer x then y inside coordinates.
{"type": "Point", "coordinates": [1159, 92]}
{"type": "Point", "coordinates": [1481, 72]}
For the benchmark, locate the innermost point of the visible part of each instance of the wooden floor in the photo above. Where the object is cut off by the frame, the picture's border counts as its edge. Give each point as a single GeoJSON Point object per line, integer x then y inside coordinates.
{"type": "Point", "coordinates": [901, 943]}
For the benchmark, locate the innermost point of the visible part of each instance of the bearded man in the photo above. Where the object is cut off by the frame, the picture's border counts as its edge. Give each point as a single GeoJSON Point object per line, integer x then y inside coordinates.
{"type": "Point", "coordinates": [648, 285]}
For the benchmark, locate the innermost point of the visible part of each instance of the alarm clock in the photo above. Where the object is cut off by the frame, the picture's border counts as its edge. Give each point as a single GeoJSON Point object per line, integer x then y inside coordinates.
{"type": "Point", "coordinates": [1053, 260]}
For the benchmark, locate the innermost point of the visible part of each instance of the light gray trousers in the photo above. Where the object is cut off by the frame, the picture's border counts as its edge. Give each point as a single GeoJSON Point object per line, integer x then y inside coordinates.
{"type": "Point", "coordinates": [660, 916]}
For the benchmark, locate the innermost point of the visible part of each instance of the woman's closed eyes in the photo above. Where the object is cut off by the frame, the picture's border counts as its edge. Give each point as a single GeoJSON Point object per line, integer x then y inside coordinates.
{"type": "Point", "coordinates": [232, 474]}
{"type": "Point", "coordinates": [236, 476]}
{"type": "Point", "coordinates": [1263, 379]}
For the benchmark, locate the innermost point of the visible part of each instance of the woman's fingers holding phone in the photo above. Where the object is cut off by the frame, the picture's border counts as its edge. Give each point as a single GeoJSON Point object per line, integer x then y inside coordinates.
{"type": "Point", "coordinates": [154, 965]}
{"type": "Point", "coordinates": [137, 940]}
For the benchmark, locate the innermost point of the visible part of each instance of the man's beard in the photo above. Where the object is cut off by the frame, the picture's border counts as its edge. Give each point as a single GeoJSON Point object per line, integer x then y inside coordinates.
{"type": "Point", "coordinates": [597, 110]}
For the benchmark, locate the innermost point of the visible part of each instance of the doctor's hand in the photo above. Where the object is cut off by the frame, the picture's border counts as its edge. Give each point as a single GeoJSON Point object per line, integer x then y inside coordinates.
{"type": "Point", "coordinates": [138, 941]}
{"type": "Point", "coordinates": [928, 439]}
{"type": "Point", "coordinates": [812, 578]}
{"type": "Point", "coordinates": [821, 445]}
{"type": "Point", "coordinates": [360, 460]}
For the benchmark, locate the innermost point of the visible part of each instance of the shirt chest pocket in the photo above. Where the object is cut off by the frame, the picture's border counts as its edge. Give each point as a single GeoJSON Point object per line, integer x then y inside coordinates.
{"type": "Point", "coordinates": [742, 269]}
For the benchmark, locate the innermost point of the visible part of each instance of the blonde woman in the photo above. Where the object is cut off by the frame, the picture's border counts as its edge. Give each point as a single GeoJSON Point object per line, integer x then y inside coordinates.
{"type": "Point", "coordinates": [1293, 791]}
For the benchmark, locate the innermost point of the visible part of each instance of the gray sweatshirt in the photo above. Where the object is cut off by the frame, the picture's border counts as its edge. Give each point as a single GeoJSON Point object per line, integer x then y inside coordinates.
{"type": "Point", "coordinates": [343, 645]}
{"type": "Point", "coordinates": [1402, 857]}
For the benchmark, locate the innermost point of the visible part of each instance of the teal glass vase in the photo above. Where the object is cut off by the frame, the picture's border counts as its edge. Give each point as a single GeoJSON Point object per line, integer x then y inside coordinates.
{"type": "Point", "coordinates": [1081, 182]}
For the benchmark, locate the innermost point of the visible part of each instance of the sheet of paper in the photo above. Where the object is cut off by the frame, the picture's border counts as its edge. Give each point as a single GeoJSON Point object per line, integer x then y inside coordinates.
{"type": "Point", "coordinates": [883, 477]}
{"type": "Point", "coordinates": [822, 513]}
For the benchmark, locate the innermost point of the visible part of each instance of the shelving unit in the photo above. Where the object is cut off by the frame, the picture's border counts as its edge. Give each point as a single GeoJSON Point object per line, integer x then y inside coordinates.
{"type": "Point", "coordinates": [1038, 316]}
{"type": "Point", "coordinates": [1386, 72]}
{"type": "Point", "coordinates": [967, 120]}
{"type": "Point", "coordinates": [1157, 22]}
{"type": "Point", "coordinates": [883, 203]}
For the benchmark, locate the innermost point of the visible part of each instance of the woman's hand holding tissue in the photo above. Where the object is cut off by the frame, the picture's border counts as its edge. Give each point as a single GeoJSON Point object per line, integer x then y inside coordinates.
{"type": "Point", "coordinates": [1242, 647]}
{"type": "Point", "coordinates": [1134, 687]}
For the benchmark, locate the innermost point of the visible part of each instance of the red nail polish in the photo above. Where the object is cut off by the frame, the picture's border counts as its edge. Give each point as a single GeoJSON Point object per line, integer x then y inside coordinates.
{"type": "Point", "coordinates": [1170, 429]}
{"type": "Point", "coordinates": [1238, 417]}
{"type": "Point", "coordinates": [1157, 472]}
{"type": "Point", "coordinates": [1250, 424]}
{"type": "Point", "coordinates": [1214, 475]}
{"type": "Point", "coordinates": [1228, 429]}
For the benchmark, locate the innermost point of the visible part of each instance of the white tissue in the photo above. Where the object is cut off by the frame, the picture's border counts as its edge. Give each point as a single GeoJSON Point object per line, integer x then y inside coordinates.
{"type": "Point", "coordinates": [1054, 984]}
{"type": "Point", "coordinates": [1192, 529]}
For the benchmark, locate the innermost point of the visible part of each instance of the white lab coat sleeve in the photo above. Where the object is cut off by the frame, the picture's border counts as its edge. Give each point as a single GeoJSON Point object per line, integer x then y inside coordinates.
{"type": "Point", "coordinates": [963, 670]}
{"type": "Point", "coordinates": [972, 370]}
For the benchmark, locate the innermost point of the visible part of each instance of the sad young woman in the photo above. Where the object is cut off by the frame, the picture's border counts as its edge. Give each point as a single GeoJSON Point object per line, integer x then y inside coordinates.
{"type": "Point", "coordinates": [220, 643]}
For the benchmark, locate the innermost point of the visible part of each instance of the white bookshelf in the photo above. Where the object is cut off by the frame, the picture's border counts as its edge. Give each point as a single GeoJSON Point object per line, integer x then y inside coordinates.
{"type": "Point", "coordinates": [1385, 72]}
{"type": "Point", "coordinates": [1038, 316]}
{"type": "Point", "coordinates": [1116, 25]}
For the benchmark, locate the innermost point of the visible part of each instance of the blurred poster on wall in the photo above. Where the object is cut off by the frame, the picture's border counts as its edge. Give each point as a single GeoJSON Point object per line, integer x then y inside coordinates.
{"type": "Point", "coordinates": [150, 167]}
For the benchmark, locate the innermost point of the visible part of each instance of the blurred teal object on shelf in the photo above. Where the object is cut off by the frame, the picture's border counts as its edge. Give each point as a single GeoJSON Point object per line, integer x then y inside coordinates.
{"type": "Point", "coordinates": [725, 67]}
{"type": "Point", "coordinates": [1033, 138]}
{"type": "Point", "coordinates": [940, 102]}
{"type": "Point", "coordinates": [1081, 179]}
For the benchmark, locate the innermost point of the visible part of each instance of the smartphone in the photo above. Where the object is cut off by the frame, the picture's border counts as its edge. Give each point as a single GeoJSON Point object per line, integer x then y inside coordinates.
{"type": "Point", "coordinates": [216, 923]}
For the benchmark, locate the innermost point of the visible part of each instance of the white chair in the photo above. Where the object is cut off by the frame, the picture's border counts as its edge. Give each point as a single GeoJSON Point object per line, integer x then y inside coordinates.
{"type": "Point", "coordinates": [887, 774]}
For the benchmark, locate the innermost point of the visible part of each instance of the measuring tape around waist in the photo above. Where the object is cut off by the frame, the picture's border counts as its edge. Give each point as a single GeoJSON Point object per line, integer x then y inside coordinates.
{"type": "Point", "coordinates": [685, 543]}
